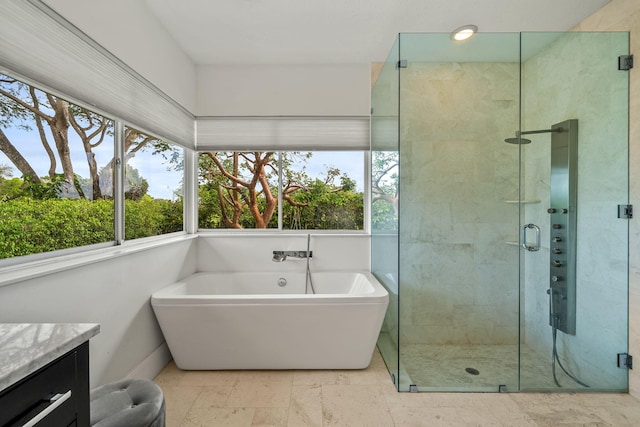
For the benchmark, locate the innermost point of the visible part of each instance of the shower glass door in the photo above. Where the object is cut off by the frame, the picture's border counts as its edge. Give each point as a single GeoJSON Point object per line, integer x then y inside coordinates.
{"type": "Point", "coordinates": [458, 220]}
{"type": "Point", "coordinates": [499, 185]}
{"type": "Point", "coordinates": [385, 200]}
{"type": "Point", "coordinates": [575, 288]}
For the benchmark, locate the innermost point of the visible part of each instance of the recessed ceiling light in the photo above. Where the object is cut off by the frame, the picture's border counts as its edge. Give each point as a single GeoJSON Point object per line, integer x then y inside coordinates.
{"type": "Point", "coordinates": [464, 33]}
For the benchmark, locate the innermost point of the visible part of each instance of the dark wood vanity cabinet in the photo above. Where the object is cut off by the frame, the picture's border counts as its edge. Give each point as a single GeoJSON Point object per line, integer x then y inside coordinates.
{"type": "Point", "coordinates": [59, 391]}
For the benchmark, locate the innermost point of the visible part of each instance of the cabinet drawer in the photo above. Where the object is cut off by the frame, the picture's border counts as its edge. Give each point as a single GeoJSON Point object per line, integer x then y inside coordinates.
{"type": "Point", "coordinates": [26, 399]}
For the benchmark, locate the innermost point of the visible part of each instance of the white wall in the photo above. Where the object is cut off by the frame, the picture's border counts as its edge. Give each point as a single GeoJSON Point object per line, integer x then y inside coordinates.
{"type": "Point", "coordinates": [129, 31]}
{"type": "Point", "coordinates": [272, 90]}
{"type": "Point", "coordinates": [114, 293]}
{"type": "Point", "coordinates": [234, 252]}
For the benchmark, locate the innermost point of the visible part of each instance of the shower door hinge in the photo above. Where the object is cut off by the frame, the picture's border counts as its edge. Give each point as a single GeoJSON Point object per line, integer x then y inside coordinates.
{"type": "Point", "coordinates": [625, 361]}
{"type": "Point", "coordinates": [402, 63]}
{"type": "Point", "coordinates": [625, 211]}
{"type": "Point", "coordinates": [625, 62]}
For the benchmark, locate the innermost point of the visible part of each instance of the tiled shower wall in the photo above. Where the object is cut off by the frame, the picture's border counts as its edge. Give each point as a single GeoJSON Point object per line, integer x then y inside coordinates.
{"type": "Point", "coordinates": [624, 15]}
{"type": "Point", "coordinates": [458, 276]}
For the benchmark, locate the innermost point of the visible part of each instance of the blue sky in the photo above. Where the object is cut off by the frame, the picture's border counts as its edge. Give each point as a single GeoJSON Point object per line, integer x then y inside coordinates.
{"type": "Point", "coordinates": [349, 162]}
{"type": "Point", "coordinates": [162, 182]}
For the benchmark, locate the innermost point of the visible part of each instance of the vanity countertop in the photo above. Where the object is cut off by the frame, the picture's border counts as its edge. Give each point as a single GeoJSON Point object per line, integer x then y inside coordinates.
{"type": "Point", "coordinates": [27, 347]}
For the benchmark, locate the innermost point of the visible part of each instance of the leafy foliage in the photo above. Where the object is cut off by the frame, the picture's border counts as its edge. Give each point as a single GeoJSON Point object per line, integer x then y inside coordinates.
{"type": "Point", "coordinates": [30, 226]}
{"type": "Point", "coordinates": [63, 209]}
{"type": "Point", "coordinates": [384, 190]}
{"type": "Point", "coordinates": [245, 184]}
{"type": "Point", "coordinates": [10, 189]}
{"type": "Point", "coordinates": [322, 206]}
{"type": "Point", "coordinates": [151, 217]}
{"type": "Point", "coordinates": [47, 188]}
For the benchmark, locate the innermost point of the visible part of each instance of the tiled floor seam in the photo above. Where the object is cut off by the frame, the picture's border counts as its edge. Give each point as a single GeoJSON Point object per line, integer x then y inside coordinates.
{"type": "Point", "coordinates": [184, 417]}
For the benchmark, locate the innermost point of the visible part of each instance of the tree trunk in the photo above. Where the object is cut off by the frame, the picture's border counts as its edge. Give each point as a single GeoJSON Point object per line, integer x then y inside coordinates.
{"type": "Point", "coordinates": [95, 178]}
{"type": "Point", "coordinates": [16, 158]}
{"type": "Point", "coordinates": [60, 130]}
{"type": "Point", "coordinates": [43, 135]}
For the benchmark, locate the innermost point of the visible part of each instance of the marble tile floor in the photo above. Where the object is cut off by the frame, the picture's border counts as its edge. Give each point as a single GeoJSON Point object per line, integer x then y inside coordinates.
{"type": "Point", "coordinates": [444, 366]}
{"type": "Point", "coordinates": [353, 398]}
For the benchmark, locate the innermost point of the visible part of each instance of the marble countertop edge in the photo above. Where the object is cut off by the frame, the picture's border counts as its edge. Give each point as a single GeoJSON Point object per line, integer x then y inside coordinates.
{"type": "Point", "coordinates": [27, 347]}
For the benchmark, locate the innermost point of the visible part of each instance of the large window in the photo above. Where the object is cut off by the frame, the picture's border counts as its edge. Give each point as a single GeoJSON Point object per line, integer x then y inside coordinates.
{"type": "Point", "coordinates": [57, 176]}
{"type": "Point", "coordinates": [288, 190]}
{"type": "Point", "coordinates": [384, 190]}
{"type": "Point", "coordinates": [152, 186]}
{"type": "Point", "coordinates": [54, 156]}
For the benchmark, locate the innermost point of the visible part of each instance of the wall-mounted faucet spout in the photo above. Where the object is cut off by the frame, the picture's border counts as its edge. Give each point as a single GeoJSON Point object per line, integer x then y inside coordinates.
{"type": "Point", "coordinates": [280, 256]}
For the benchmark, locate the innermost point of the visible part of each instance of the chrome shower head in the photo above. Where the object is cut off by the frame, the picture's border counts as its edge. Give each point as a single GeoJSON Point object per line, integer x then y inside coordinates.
{"type": "Point", "coordinates": [519, 140]}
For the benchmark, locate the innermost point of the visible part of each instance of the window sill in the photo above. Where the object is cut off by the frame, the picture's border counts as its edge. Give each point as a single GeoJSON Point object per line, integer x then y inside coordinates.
{"type": "Point", "coordinates": [31, 270]}
{"type": "Point", "coordinates": [275, 232]}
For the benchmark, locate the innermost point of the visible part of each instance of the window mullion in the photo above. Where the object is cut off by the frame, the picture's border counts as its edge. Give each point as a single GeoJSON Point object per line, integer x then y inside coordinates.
{"type": "Point", "coordinates": [118, 182]}
{"type": "Point", "coordinates": [280, 191]}
{"type": "Point", "coordinates": [190, 189]}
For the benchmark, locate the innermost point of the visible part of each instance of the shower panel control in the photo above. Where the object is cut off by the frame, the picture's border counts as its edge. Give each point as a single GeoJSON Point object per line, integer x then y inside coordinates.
{"type": "Point", "coordinates": [563, 214]}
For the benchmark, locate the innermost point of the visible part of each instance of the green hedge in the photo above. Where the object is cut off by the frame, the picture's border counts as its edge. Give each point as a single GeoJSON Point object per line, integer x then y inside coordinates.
{"type": "Point", "coordinates": [30, 226]}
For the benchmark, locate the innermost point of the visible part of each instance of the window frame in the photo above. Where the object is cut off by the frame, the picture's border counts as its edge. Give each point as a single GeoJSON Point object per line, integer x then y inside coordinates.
{"type": "Point", "coordinates": [366, 197]}
{"type": "Point", "coordinates": [118, 176]}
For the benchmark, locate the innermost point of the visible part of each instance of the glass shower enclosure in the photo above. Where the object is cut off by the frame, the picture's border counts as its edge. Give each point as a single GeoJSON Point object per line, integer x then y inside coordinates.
{"type": "Point", "coordinates": [498, 201]}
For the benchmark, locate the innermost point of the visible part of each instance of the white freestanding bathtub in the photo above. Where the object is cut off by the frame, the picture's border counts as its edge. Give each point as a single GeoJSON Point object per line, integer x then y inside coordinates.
{"type": "Point", "coordinates": [255, 321]}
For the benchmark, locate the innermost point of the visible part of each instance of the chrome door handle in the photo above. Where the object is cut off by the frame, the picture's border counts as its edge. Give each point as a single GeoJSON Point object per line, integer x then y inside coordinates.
{"type": "Point", "coordinates": [536, 245]}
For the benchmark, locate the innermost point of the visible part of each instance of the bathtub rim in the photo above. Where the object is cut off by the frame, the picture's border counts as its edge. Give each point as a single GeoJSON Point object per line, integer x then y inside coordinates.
{"type": "Point", "coordinates": [164, 296]}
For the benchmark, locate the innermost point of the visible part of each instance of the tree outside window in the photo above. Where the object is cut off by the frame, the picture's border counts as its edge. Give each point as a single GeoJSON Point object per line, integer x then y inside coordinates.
{"type": "Point", "coordinates": [56, 174]}
{"type": "Point", "coordinates": [153, 186]}
{"type": "Point", "coordinates": [243, 190]}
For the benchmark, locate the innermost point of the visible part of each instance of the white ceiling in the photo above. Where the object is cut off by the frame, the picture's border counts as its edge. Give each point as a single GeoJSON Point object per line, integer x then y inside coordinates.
{"type": "Point", "coordinates": [342, 31]}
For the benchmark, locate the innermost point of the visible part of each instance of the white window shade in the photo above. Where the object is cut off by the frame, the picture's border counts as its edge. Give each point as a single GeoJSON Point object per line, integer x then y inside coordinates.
{"type": "Point", "coordinates": [40, 45]}
{"type": "Point", "coordinates": [384, 133]}
{"type": "Point", "coordinates": [282, 133]}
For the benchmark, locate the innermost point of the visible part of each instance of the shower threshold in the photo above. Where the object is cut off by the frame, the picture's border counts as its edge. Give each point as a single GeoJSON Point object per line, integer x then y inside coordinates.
{"type": "Point", "coordinates": [474, 368]}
